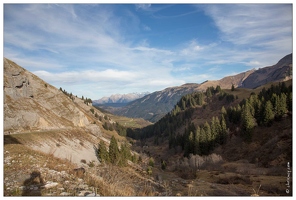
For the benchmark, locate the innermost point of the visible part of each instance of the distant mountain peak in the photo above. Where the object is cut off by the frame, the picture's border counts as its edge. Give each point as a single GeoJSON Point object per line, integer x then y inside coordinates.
{"type": "Point", "coordinates": [121, 98]}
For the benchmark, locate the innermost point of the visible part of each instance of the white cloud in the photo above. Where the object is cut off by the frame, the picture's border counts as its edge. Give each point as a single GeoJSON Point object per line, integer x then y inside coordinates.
{"type": "Point", "coordinates": [143, 6]}
{"type": "Point", "coordinates": [191, 50]}
{"type": "Point", "coordinates": [108, 75]}
{"type": "Point", "coordinates": [253, 24]}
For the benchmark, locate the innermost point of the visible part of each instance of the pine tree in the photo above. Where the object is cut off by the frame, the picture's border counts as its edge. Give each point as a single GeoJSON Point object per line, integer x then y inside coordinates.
{"type": "Point", "coordinates": [196, 141]}
{"type": "Point", "coordinates": [223, 133]}
{"type": "Point", "coordinates": [209, 139]}
{"type": "Point", "coordinates": [113, 151]}
{"type": "Point", "coordinates": [218, 89]}
{"type": "Point", "coordinates": [125, 155]}
{"type": "Point", "coordinates": [282, 104]}
{"type": "Point", "coordinates": [215, 129]}
{"type": "Point", "coordinates": [209, 92]}
{"type": "Point", "coordinates": [268, 114]}
{"type": "Point", "coordinates": [232, 87]}
{"type": "Point", "coordinates": [248, 121]}
{"type": "Point", "coordinates": [223, 111]}
{"type": "Point", "coordinates": [238, 112]}
{"type": "Point", "coordinates": [203, 142]}
{"type": "Point", "coordinates": [259, 110]}
{"type": "Point", "coordinates": [103, 153]}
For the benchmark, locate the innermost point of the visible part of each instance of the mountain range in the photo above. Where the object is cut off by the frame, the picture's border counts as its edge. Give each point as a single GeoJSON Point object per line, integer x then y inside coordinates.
{"type": "Point", "coordinates": [154, 106]}
{"type": "Point", "coordinates": [120, 98]}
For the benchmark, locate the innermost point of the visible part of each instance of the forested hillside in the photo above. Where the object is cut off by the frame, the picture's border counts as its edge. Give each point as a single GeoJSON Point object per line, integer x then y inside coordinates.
{"type": "Point", "coordinates": [234, 116]}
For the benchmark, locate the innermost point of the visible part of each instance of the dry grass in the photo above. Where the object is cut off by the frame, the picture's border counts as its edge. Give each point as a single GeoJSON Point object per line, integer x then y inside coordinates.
{"type": "Point", "coordinates": [234, 179]}
{"type": "Point", "coordinates": [106, 181]}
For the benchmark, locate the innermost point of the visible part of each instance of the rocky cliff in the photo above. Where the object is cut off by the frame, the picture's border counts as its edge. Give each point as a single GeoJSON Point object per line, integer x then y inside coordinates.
{"type": "Point", "coordinates": [43, 117]}
{"type": "Point", "coordinates": [32, 104]}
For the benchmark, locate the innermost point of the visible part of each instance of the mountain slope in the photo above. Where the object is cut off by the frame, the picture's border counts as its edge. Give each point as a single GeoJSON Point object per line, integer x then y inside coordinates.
{"type": "Point", "coordinates": [227, 82]}
{"type": "Point", "coordinates": [153, 106]}
{"type": "Point", "coordinates": [42, 117]}
{"type": "Point", "coordinates": [32, 104]}
{"type": "Point", "coordinates": [279, 72]}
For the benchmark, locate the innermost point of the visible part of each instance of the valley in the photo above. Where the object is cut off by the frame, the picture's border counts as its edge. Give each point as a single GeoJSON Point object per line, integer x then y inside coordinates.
{"type": "Point", "coordinates": [191, 140]}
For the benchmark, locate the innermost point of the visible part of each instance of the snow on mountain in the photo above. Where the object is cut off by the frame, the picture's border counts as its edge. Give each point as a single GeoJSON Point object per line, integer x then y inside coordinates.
{"type": "Point", "coordinates": [121, 98]}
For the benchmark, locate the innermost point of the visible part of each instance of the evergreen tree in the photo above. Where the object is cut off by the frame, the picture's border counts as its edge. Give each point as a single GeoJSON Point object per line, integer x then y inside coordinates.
{"type": "Point", "coordinates": [232, 87]}
{"type": "Point", "coordinates": [196, 141]}
{"type": "Point", "coordinates": [113, 151]}
{"type": "Point", "coordinates": [248, 121]}
{"type": "Point", "coordinates": [209, 138]}
{"type": "Point", "coordinates": [189, 148]}
{"type": "Point", "coordinates": [259, 111]}
{"type": "Point", "coordinates": [103, 153]}
{"type": "Point", "coordinates": [218, 89]}
{"type": "Point", "coordinates": [215, 130]}
{"type": "Point", "coordinates": [203, 142]}
{"type": "Point", "coordinates": [237, 114]}
{"type": "Point", "coordinates": [223, 111]}
{"type": "Point", "coordinates": [268, 115]}
{"type": "Point", "coordinates": [207, 129]}
{"type": "Point", "coordinates": [125, 155]}
{"type": "Point", "coordinates": [209, 92]}
{"type": "Point", "coordinates": [274, 100]}
{"type": "Point", "coordinates": [282, 104]}
{"type": "Point", "coordinates": [223, 133]}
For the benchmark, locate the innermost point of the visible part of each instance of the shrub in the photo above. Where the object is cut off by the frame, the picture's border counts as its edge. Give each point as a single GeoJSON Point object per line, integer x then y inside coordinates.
{"type": "Point", "coordinates": [91, 163]}
{"type": "Point", "coordinates": [151, 162]}
{"type": "Point", "coordinates": [92, 110]}
{"type": "Point", "coordinates": [149, 170]}
{"type": "Point", "coordinates": [163, 165]}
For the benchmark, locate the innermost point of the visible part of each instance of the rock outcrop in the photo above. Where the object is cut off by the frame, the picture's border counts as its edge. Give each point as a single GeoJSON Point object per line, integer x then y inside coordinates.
{"type": "Point", "coordinates": [44, 118]}
{"type": "Point", "coordinates": [32, 104]}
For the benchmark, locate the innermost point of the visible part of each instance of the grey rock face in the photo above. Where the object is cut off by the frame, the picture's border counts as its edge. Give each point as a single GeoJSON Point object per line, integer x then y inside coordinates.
{"type": "Point", "coordinates": [32, 104]}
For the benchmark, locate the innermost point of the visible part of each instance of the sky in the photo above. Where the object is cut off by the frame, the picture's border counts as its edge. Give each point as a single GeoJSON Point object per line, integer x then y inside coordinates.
{"type": "Point", "coordinates": [97, 50]}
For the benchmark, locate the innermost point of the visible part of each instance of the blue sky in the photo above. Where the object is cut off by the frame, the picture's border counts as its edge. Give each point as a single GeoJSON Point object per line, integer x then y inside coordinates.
{"type": "Point", "coordinates": [96, 50]}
